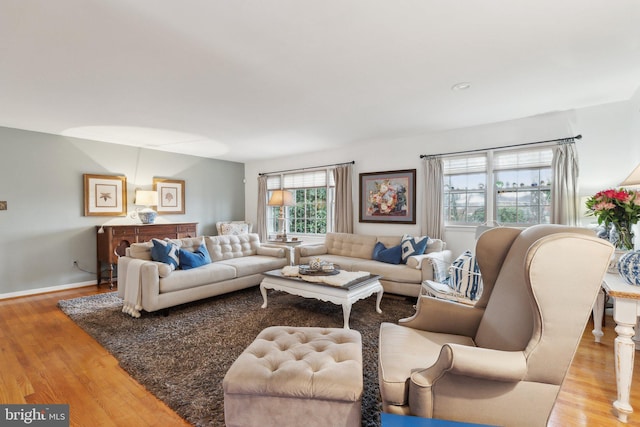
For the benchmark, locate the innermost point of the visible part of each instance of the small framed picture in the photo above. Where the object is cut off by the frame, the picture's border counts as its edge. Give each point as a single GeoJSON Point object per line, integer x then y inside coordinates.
{"type": "Point", "coordinates": [170, 195]}
{"type": "Point", "coordinates": [105, 195]}
{"type": "Point", "coordinates": [388, 197]}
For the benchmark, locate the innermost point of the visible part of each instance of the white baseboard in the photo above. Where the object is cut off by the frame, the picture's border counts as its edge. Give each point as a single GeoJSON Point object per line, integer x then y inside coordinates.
{"type": "Point", "coordinates": [46, 290]}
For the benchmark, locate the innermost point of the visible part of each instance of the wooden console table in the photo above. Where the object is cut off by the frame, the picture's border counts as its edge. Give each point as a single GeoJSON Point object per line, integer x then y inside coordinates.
{"type": "Point", "coordinates": [113, 240]}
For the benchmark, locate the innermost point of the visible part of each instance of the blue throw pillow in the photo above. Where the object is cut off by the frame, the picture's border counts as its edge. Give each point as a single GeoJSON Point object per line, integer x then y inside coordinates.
{"type": "Point", "coordinates": [194, 259]}
{"type": "Point", "coordinates": [413, 246]}
{"type": "Point", "coordinates": [391, 255]}
{"type": "Point", "coordinates": [166, 252]}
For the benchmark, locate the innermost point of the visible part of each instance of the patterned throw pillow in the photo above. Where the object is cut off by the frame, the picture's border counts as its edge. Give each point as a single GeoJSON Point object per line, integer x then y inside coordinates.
{"type": "Point", "coordinates": [166, 252]}
{"type": "Point", "coordinates": [465, 276]}
{"type": "Point", "coordinates": [194, 259]}
{"type": "Point", "coordinates": [412, 246]}
{"type": "Point", "coordinates": [234, 229]}
{"type": "Point", "coordinates": [391, 255]}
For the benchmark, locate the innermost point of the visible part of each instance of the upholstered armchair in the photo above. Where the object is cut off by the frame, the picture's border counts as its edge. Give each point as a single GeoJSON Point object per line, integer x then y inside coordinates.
{"type": "Point", "coordinates": [501, 361]}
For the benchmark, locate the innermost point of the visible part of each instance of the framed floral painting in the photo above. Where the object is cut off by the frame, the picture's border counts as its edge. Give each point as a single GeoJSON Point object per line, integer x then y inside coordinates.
{"type": "Point", "coordinates": [105, 195]}
{"type": "Point", "coordinates": [388, 197]}
{"type": "Point", "coordinates": [170, 195]}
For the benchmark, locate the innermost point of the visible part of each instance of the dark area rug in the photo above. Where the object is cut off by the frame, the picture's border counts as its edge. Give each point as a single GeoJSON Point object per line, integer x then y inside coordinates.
{"type": "Point", "coordinates": [182, 358]}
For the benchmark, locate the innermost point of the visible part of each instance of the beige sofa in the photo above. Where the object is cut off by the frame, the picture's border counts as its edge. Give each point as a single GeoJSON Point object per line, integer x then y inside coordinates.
{"type": "Point", "coordinates": [354, 252]}
{"type": "Point", "coordinates": [238, 262]}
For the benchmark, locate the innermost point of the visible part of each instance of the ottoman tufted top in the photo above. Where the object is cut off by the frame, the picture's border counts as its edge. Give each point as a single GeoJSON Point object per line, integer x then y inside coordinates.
{"type": "Point", "coordinates": [320, 363]}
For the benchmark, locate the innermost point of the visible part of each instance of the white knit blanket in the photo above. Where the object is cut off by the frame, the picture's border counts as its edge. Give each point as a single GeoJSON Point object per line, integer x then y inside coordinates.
{"type": "Point", "coordinates": [133, 289]}
{"type": "Point", "coordinates": [340, 279]}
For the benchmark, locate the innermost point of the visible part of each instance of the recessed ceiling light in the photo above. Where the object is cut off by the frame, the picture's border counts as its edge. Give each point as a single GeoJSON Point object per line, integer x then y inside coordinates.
{"type": "Point", "coordinates": [461, 86]}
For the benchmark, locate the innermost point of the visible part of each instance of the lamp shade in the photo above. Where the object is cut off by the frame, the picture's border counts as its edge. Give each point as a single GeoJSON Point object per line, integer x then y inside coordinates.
{"type": "Point", "coordinates": [633, 178]}
{"type": "Point", "coordinates": [146, 198]}
{"type": "Point", "coordinates": [281, 198]}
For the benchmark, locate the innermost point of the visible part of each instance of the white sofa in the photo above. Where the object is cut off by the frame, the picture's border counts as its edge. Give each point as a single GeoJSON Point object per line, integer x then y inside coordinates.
{"type": "Point", "coordinates": [354, 252]}
{"type": "Point", "coordinates": [238, 262]}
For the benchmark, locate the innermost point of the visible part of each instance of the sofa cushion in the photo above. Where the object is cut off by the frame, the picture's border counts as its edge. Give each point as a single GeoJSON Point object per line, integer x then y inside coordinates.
{"type": "Point", "coordinates": [392, 255]}
{"type": "Point", "coordinates": [228, 247]}
{"type": "Point", "coordinates": [204, 275]}
{"type": "Point", "coordinates": [413, 246]}
{"type": "Point", "coordinates": [394, 272]}
{"type": "Point", "coordinates": [194, 259]}
{"type": "Point", "coordinates": [246, 266]}
{"type": "Point", "coordinates": [350, 245]}
{"type": "Point", "coordinates": [166, 252]}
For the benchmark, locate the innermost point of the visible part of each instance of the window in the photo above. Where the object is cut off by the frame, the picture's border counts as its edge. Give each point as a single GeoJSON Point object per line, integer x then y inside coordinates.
{"type": "Point", "coordinates": [520, 184]}
{"type": "Point", "coordinates": [314, 202]}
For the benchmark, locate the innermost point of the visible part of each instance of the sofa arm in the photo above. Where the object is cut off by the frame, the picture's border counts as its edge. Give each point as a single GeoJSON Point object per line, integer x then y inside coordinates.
{"type": "Point", "coordinates": [308, 250]}
{"type": "Point", "coordinates": [272, 250]}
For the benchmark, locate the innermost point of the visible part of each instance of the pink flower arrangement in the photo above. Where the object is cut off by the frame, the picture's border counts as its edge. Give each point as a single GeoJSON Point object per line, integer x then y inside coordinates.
{"type": "Point", "coordinates": [618, 207]}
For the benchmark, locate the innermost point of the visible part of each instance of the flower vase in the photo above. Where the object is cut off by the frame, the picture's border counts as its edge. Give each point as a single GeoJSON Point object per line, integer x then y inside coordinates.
{"type": "Point", "coordinates": [620, 236]}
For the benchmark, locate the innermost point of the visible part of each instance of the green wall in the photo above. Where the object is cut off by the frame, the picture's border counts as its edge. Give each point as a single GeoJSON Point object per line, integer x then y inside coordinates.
{"type": "Point", "coordinates": [44, 228]}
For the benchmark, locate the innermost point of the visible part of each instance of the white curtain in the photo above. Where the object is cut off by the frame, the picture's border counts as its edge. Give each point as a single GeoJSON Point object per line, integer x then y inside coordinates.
{"type": "Point", "coordinates": [564, 187]}
{"type": "Point", "coordinates": [262, 208]}
{"type": "Point", "coordinates": [343, 218]}
{"type": "Point", "coordinates": [432, 212]}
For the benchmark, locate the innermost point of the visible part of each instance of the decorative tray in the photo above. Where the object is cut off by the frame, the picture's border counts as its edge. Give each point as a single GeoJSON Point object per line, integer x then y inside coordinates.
{"type": "Point", "coordinates": [307, 271]}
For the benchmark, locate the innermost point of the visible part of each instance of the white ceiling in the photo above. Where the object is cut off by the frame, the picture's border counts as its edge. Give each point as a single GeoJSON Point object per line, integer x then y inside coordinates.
{"type": "Point", "coordinates": [243, 80]}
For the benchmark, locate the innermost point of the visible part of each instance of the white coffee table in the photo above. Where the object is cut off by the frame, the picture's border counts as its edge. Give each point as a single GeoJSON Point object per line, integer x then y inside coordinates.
{"type": "Point", "coordinates": [341, 295]}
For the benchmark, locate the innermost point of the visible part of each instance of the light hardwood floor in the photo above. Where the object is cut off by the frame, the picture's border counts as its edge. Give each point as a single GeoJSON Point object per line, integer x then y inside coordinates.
{"type": "Point", "coordinates": [46, 358]}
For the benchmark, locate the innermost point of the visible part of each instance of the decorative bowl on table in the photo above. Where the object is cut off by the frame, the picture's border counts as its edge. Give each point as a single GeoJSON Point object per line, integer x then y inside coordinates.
{"type": "Point", "coordinates": [322, 269]}
{"type": "Point", "coordinates": [629, 267]}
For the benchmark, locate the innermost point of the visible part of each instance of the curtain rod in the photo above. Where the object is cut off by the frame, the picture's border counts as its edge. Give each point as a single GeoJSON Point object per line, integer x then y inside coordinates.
{"type": "Point", "coordinates": [313, 167]}
{"type": "Point", "coordinates": [560, 140]}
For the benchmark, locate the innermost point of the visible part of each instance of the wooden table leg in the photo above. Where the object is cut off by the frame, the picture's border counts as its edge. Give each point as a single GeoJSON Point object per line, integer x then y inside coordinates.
{"type": "Point", "coordinates": [624, 314]}
{"type": "Point", "coordinates": [598, 313]}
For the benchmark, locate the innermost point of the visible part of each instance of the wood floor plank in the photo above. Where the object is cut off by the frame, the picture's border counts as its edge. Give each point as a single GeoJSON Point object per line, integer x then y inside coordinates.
{"type": "Point", "coordinates": [47, 358]}
{"type": "Point", "coordinates": [64, 364]}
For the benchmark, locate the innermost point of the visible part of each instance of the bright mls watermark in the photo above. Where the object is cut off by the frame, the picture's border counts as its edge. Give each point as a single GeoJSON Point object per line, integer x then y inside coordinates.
{"type": "Point", "coordinates": [34, 415]}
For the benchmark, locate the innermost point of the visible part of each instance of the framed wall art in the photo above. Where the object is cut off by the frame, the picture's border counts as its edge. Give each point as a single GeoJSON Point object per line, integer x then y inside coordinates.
{"type": "Point", "coordinates": [388, 197]}
{"type": "Point", "coordinates": [105, 195]}
{"type": "Point", "coordinates": [170, 195]}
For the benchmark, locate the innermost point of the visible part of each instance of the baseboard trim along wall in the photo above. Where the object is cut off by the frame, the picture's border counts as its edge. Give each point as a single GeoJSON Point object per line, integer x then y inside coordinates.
{"type": "Point", "coordinates": [46, 290]}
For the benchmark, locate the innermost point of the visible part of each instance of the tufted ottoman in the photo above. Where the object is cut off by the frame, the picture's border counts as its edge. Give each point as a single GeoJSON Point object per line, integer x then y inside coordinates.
{"type": "Point", "coordinates": [296, 377]}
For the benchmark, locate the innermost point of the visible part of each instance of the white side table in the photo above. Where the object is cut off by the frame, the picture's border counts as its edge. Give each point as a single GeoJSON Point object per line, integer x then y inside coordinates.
{"type": "Point", "coordinates": [626, 309]}
{"type": "Point", "coordinates": [288, 245]}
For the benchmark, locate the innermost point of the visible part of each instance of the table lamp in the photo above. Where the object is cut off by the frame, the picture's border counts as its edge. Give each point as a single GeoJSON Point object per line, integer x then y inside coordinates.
{"type": "Point", "coordinates": [147, 199]}
{"type": "Point", "coordinates": [633, 179]}
{"type": "Point", "coordinates": [281, 198]}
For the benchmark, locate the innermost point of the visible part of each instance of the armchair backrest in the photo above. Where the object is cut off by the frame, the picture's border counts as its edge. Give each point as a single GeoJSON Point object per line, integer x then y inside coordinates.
{"type": "Point", "coordinates": [543, 282]}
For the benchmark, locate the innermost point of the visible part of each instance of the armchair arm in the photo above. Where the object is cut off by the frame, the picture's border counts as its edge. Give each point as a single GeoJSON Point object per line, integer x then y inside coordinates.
{"type": "Point", "coordinates": [477, 362]}
{"type": "Point", "coordinates": [481, 363]}
{"type": "Point", "coordinates": [432, 314]}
